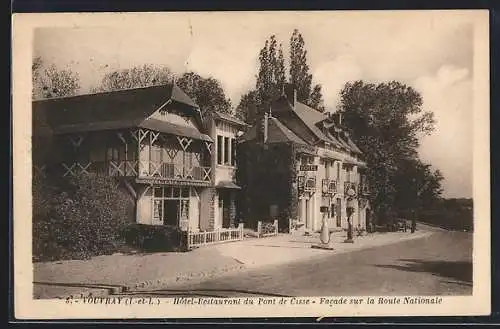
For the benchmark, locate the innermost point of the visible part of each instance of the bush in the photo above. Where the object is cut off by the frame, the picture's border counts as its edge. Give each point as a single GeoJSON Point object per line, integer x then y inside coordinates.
{"type": "Point", "coordinates": [267, 228]}
{"type": "Point", "coordinates": [78, 218]}
{"type": "Point", "coordinates": [152, 238]}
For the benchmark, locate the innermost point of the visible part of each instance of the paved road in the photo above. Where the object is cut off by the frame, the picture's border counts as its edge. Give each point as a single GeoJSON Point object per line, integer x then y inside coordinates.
{"type": "Point", "coordinates": [438, 264]}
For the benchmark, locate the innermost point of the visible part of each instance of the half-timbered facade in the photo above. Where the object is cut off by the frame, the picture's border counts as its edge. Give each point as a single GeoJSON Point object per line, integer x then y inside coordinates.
{"type": "Point", "coordinates": [152, 138]}
{"type": "Point", "coordinates": [327, 170]}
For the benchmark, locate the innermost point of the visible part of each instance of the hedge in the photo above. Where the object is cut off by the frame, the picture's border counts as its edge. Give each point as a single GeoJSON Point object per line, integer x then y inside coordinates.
{"type": "Point", "coordinates": [79, 218]}
{"type": "Point", "coordinates": [151, 238]}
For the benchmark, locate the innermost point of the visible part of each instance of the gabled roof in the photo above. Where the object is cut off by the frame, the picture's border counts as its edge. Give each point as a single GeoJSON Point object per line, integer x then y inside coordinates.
{"type": "Point", "coordinates": [278, 132]}
{"type": "Point", "coordinates": [249, 135]}
{"type": "Point", "coordinates": [315, 120]}
{"type": "Point", "coordinates": [229, 118]}
{"type": "Point", "coordinates": [310, 117]}
{"type": "Point", "coordinates": [116, 109]}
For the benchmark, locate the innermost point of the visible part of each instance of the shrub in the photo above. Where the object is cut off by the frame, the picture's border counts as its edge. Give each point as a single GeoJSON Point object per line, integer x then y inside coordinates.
{"type": "Point", "coordinates": [79, 217]}
{"type": "Point", "coordinates": [152, 238]}
{"type": "Point", "coordinates": [267, 228]}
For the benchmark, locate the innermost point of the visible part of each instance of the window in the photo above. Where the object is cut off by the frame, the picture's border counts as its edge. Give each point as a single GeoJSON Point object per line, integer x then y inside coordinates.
{"type": "Point", "coordinates": [233, 151]}
{"type": "Point", "coordinates": [112, 154]}
{"type": "Point", "coordinates": [188, 159]}
{"type": "Point", "coordinates": [226, 151]}
{"type": "Point", "coordinates": [307, 160]}
{"type": "Point", "coordinates": [219, 150]}
{"type": "Point", "coordinates": [156, 152]}
{"type": "Point", "coordinates": [327, 169]}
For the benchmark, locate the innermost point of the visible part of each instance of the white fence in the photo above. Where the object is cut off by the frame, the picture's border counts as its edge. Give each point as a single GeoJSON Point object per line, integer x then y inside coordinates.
{"type": "Point", "coordinates": [198, 239]}
{"type": "Point", "coordinates": [270, 230]}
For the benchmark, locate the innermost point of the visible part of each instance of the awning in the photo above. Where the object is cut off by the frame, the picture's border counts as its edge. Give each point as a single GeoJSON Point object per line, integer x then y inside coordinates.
{"type": "Point", "coordinates": [227, 184]}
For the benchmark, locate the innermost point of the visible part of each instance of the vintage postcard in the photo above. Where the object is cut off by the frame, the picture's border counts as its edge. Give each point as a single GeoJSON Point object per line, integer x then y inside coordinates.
{"type": "Point", "coordinates": [251, 164]}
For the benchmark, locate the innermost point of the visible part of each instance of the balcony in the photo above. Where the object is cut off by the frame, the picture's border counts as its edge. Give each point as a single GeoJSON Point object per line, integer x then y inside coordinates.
{"type": "Point", "coordinates": [350, 188]}
{"type": "Point", "coordinates": [306, 184]}
{"type": "Point", "coordinates": [163, 170]}
{"type": "Point", "coordinates": [329, 186]}
{"type": "Point", "coordinates": [143, 170]}
{"type": "Point", "coordinates": [364, 189]}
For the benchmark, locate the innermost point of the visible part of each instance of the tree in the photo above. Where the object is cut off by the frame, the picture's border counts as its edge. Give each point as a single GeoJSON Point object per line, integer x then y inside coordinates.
{"type": "Point", "coordinates": [136, 77]}
{"type": "Point", "coordinates": [247, 108]}
{"type": "Point", "coordinates": [316, 99]}
{"type": "Point", "coordinates": [50, 81]}
{"type": "Point", "coordinates": [206, 92]}
{"type": "Point", "coordinates": [271, 76]}
{"type": "Point", "coordinates": [385, 121]}
{"type": "Point", "coordinates": [417, 185]}
{"type": "Point", "coordinates": [300, 76]}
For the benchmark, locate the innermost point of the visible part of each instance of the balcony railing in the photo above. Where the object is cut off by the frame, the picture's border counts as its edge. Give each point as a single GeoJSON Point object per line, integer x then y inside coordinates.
{"type": "Point", "coordinates": [306, 183]}
{"type": "Point", "coordinates": [174, 171]}
{"type": "Point", "coordinates": [350, 188]}
{"type": "Point", "coordinates": [141, 169]}
{"type": "Point", "coordinates": [329, 186]}
{"type": "Point", "coordinates": [310, 184]}
{"type": "Point", "coordinates": [364, 189]}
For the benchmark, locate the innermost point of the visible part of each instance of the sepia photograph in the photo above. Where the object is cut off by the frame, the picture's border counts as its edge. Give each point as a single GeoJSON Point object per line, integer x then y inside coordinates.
{"type": "Point", "coordinates": [251, 164]}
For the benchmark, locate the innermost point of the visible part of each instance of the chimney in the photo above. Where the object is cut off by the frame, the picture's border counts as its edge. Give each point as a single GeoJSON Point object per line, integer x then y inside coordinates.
{"type": "Point", "coordinates": [290, 93]}
{"type": "Point", "coordinates": [337, 118]}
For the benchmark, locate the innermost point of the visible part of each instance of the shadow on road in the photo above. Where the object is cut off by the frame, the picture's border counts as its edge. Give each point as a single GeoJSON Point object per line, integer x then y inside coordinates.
{"type": "Point", "coordinates": [457, 270]}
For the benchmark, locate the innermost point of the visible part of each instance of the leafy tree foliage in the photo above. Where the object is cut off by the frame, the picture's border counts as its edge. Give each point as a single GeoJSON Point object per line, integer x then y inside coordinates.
{"type": "Point", "coordinates": [247, 108]}
{"type": "Point", "coordinates": [49, 81]}
{"type": "Point", "coordinates": [271, 77]}
{"type": "Point", "coordinates": [206, 92]}
{"type": "Point", "coordinates": [300, 76]}
{"type": "Point", "coordinates": [386, 121]}
{"type": "Point", "coordinates": [78, 218]}
{"type": "Point", "coordinates": [136, 77]}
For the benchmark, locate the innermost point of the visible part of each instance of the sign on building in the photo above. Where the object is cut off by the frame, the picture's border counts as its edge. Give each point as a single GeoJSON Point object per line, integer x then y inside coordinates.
{"type": "Point", "coordinates": [308, 167]}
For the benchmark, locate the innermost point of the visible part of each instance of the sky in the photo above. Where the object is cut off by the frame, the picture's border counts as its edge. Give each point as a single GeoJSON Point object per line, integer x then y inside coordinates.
{"type": "Point", "coordinates": [430, 51]}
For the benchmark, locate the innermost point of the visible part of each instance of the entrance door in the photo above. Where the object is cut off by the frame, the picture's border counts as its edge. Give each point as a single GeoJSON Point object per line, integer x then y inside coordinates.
{"type": "Point", "coordinates": [171, 212]}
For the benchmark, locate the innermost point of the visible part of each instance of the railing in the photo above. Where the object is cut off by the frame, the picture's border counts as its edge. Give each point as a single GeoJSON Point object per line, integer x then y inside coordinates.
{"type": "Point", "coordinates": [329, 186]}
{"type": "Point", "coordinates": [267, 229]}
{"type": "Point", "coordinates": [198, 239]}
{"type": "Point", "coordinates": [350, 186]}
{"type": "Point", "coordinates": [310, 184]}
{"type": "Point", "coordinates": [134, 168]}
{"type": "Point", "coordinates": [364, 189]}
{"type": "Point", "coordinates": [174, 171]}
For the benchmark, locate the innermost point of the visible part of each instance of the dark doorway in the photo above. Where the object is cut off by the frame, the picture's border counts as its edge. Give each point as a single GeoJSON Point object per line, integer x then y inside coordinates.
{"type": "Point", "coordinates": [338, 212]}
{"type": "Point", "coordinates": [224, 204]}
{"type": "Point", "coordinates": [171, 212]}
